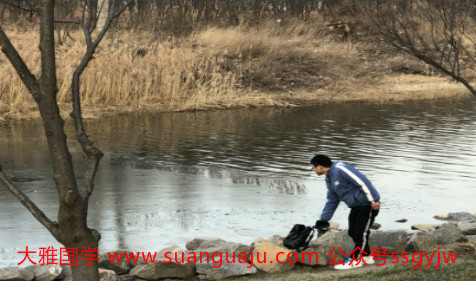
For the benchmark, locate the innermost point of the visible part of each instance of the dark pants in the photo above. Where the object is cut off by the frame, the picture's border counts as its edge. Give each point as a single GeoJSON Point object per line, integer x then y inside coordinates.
{"type": "Point", "coordinates": [360, 220]}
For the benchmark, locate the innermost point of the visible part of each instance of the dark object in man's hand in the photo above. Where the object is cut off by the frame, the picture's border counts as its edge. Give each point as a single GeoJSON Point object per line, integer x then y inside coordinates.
{"type": "Point", "coordinates": [320, 224]}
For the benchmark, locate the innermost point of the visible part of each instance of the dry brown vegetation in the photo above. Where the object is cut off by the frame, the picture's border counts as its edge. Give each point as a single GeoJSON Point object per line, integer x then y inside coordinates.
{"type": "Point", "coordinates": [274, 63]}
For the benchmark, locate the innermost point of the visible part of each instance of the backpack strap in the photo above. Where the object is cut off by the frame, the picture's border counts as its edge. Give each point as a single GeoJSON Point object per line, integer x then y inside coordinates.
{"type": "Point", "coordinates": [308, 240]}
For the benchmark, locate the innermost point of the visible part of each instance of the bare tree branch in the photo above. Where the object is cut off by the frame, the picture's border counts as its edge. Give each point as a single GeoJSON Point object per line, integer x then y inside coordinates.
{"type": "Point", "coordinates": [92, 15]}
{"type": "Point", "coordinates": [93, 154]}
{"type": "Point", "coordinates": [67, 21]}
{"type": "Point", "coordinates": [30, 9]}
{"type": "Point", "coordinates": [432, 31]}
{"type": "Point", "coordinates": [25, 201]}
{"type": "Point", "coordinates": [71, 228]}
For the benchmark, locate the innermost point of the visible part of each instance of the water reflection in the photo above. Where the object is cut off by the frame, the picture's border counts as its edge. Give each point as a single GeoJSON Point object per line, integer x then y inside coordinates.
{"type": "Point", "coordinates": [277, 143]}
{"type": "Point", "coordinates": [168, 178]}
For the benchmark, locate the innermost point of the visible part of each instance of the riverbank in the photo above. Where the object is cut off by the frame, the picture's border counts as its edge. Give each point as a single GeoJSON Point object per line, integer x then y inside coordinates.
{"type": "Point", "coordinates": [445, 250]}
{"type": "Point", "coordinates": [463, 270]}
{"type": "Point", "coordinates": [215, 68]}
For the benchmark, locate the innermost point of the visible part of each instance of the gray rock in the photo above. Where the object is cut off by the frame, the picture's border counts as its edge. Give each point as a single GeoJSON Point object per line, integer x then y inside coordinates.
{"type": "Point", "coordinates": [467, 249]}
{"type": "Point", "coordinates": [145, 271]}
{"type": "Point", "coordinates": [172, 249]}
{"type": "Point", "coordinates": [411, 232]}
{"type": "Point", "coordinates": [448, 233]}
{"type": "Point", "coordinates": [16, 274]}
{"type": "Point", "coordinates": [333, 225]}
{"type": "Point", "coordinates": [172, 253]}
{"type": "Point", "coordinates": [127, 277]}
{"type": "Point", "coordinates": [422, 242]}
{"type": "Point", "coordinates": [468, 228]}
{"type": "Point", "coordinates": [331, 242]}
{"type": "Point", "coordinates": [311, 257]}
{"type": "Point", "coordinates": [163, 269]}
{"type": "Point", "coordinates": [204, 243]}
{"type": "Point", "coordinates": [66, 274]}
{"type": "Point", "coordinates": [119, 268]}
{"type": "Point", "coordinates": [217, 271]}
{"type": "Point", "coordinates": [276, 240]}
{"type": "Point", "coordinates": [392, 241]}
{"type": "Point", "coordinates": [268, 257]}
{"type": "Point", "coordinates": [471, 238]}
{"type": "Point", "coordinates": [441, 217]}
{"type": "Point", "coordinates": [425, 227]}
{"type": "Point", "coordinates": [217, 254]}
{"type": "Point", "coordinates": [222, 247]}
{"type": "Point", "coordinates": [457, 217]}
{"type": "Point", "coordinates": [208, 254]}
{"type": "Point", "coordinates": [107, 275]}
{"type": "Point", "coordinates": [46, 272]}
{"type": "Point", "coordinates": [375, 226]}
{"type": "Point", "coordinates": [461, 216]}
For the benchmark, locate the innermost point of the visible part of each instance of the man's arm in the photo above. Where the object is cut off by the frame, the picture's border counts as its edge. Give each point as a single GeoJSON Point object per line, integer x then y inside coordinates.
{"type": "Point", "coordinates": [331, 206]}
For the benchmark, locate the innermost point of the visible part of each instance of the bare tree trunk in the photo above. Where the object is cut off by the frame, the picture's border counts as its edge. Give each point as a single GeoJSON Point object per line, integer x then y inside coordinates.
{"type": "Point", "coordinates": [71, 228]}
{"type": "Point", "coordinates": [75, 234]}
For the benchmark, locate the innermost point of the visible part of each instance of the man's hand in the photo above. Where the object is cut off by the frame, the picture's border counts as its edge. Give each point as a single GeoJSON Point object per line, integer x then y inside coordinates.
{"type": "Point", "coordinates": [320, 224]}
{"type": "Point", "coordinates": [375, 206]}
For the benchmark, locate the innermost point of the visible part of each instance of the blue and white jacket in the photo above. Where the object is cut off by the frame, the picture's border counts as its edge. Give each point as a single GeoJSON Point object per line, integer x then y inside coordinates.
{"type": "Point", "coordinates": [346, 183]}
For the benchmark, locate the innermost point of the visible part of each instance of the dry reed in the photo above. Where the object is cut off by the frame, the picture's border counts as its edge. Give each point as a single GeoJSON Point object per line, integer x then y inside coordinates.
{"type": "Point", "coordinates": [214, 68]}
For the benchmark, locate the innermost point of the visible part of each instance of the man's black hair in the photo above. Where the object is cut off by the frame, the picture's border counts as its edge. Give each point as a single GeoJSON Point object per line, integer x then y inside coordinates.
{"type": "Point", "coordinates": [322, 160]}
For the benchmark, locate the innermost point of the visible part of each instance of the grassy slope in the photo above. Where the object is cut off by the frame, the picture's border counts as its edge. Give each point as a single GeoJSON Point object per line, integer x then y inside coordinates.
{"type": "Point", "coordinates": [270, 64]}
{"type": "Point", "coordinates": [463, 270]}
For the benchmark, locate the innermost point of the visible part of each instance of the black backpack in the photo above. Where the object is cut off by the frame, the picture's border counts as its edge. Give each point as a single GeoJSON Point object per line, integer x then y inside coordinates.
{"type": "Point", "coordinates": [299, 237]}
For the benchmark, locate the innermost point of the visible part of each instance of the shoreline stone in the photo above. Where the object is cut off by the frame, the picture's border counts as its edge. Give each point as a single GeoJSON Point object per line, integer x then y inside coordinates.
{"type": "Point", "coordinates": [275, 256]}
{"type": "Point", "coordinates": [448, 234]}
{"type": "Point", "coordinates": [425, 227]}
{"type": "Point", "coordinates": [16, 274]}
{"type": "Point", "coordinates": [458, 234]}
{"type": "Point", "coordinates": [47, 272]}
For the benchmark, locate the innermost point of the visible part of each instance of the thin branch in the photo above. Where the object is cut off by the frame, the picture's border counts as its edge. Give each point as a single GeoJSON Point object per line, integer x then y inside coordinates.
{"type": "Point", "coordinates": [87, 34]}
{"type": "Point", "coordinates": [68, 21]}
{"type": "Point", "coordinates": [93, 154]}
{"type": "Point", "coordinates": [25, 201]}
{"type": "Point", "coordinates": [442, 50]}
{"type": "Point", "coordinates": [110, 17]}
{"type": "Point", "coordinates": [19, 7]}
{"type": "Point", "coordinates": [410, 49]}
{"type": "Point", "coordinates": [92, 17]}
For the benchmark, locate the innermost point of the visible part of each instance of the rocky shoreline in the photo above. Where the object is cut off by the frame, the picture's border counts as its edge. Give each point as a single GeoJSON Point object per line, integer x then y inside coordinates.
{"type": "Point", "coordinates": [456, 234]}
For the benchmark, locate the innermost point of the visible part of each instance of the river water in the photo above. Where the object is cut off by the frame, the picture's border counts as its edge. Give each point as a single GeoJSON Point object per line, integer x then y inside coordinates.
{"type": "Point", "coordinates": [167, 178]}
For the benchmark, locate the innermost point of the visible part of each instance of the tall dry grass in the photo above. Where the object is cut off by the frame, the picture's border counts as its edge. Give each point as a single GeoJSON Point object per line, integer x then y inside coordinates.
{"type": "Point", "coordinates": [131, 73]}
{"type": "Point", "coordinates": [270, 64]}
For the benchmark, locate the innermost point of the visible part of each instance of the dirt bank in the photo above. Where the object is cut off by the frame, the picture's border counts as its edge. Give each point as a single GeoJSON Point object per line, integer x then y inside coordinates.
{"type": "Point", "coordinates": [462, 270]}
{"type": "Point", "coordinates": [266, 65]}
